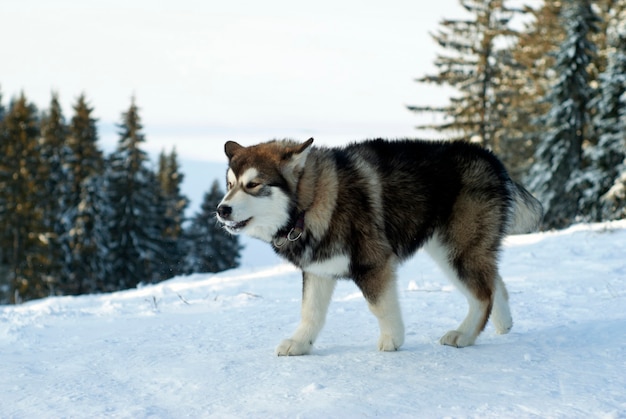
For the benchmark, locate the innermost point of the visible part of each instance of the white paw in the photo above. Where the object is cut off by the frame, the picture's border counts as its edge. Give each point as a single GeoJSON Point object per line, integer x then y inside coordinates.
{"type": "Point", "coordinates": [456, 339]}
{"type": "Point", "coordinates": [503, 326]}
{"type": "Point", "coordinates": [389, 343]}
{"type": "Point", "coordinates": [290, 347]}
{"type": "Point", "coordinates": [504, 329]}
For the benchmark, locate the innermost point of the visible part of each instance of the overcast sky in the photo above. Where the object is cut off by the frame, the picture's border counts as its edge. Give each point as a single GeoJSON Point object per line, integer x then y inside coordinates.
{"type": "Point", "coordinates": [205, 71]}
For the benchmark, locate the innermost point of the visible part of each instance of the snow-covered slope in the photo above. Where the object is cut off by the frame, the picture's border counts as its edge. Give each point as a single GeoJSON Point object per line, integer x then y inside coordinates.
{"type": "Point", "coordinates": [203, 346]}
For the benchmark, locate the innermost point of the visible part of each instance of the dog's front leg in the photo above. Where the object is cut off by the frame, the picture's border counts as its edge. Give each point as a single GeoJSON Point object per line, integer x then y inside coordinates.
{"type": "Point", "coordinates": [378, 285]}
{"type": "Point", "coordinates": [316, 294]}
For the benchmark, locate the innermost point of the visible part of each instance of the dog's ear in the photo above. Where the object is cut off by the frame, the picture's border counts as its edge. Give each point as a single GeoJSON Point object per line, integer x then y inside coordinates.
{"type": "Point", "coordinates": [231, 148]}
{"type": "Point", "coordinates": [296, 156]}
{"type": "Point", "coordinates": [305, 145]}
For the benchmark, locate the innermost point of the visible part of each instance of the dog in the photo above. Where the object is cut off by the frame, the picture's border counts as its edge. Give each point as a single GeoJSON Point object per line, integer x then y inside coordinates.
{"type": "Point", "coordinates": [356, 211]}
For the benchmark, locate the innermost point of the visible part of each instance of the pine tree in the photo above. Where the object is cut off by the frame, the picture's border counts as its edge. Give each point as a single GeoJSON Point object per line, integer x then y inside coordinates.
{"type": "Point", "coordinates": [2, 110]}
{"type": "Point", "coordinates": [475, 67]}
{"type": "Point", "coordinates": [211, 249]}
{"type": "Point", "coordinates": [84, 237]}
{"type": "Point", "coordinates": [170, 180]}
{"type": "Point", "coordinates": [24, 237]}
{"type": "Point", "coordinates": [89, 267]}
{"type": "Point", "coordinates": [136, 222]}
{"type": "Point", "coordinates": [531, 75]}
{"type": "Point", "coordinates": [87, 157]}
{"type": "Point", "coordinates": [606, 10]}
{"type": "Point", "coordinates": [5, 278]}
{"type": "Point", "coordinates": [56, 181]}
{"type": "Point", "coordinates": [559, 156]}
{"type": "Point", "coordinates": [606, 177]}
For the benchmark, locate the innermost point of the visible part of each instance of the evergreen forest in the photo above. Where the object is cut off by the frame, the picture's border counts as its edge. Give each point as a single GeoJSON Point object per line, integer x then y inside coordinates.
{"type": "Point", "coordinates": [73, 221]}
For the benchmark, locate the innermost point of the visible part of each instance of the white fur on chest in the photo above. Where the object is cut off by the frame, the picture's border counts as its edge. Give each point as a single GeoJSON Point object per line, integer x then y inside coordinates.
{"type": "Point", "coordinates": [334, 267]}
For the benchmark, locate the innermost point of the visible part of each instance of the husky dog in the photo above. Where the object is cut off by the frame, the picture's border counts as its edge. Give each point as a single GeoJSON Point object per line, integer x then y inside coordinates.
{"type": "Point", "coordinates": [357, 211]}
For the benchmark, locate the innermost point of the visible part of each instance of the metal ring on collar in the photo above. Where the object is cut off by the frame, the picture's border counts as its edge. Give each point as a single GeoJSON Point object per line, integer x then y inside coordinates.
{"type": "Point", "coordinates": [293, 239]}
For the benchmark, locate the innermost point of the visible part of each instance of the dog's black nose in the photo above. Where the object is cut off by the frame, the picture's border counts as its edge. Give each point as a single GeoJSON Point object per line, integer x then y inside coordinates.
{"type": "Point", "coordinates": [224, 211]}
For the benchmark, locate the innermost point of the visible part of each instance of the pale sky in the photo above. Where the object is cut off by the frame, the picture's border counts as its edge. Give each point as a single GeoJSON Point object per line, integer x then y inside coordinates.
{"type": "Point", "coordinates": [204, 72]}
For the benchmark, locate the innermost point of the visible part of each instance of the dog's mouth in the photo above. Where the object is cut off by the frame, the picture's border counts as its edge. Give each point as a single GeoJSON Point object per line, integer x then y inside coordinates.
{"type": "Point", "coordinates": [236, 226]}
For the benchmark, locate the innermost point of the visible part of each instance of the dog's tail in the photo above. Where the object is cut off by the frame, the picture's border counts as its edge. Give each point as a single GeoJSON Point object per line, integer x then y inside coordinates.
{"type": "Point", "coordinates": [527, 211]}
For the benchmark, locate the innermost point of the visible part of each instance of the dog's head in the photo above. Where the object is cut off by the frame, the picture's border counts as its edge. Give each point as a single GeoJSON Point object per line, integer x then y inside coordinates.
{"type": "Point", "coordinates": [261, 186]}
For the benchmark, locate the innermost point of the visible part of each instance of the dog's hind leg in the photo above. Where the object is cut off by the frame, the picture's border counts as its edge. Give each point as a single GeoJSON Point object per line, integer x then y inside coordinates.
{"type": "Point", "coordinates": [470, 328]}
{"type": "Point", "coordinates": [380, 290]}
{"type": "Point", "coordinates": [501, 314]}
{"type": "Point", "coordinates": [475, 278]}
{"type": "Point", "coordinates": [316, 295]}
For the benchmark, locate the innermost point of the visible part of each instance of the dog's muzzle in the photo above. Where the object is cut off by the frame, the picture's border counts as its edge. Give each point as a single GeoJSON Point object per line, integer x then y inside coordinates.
{"type": "Point", "coordinates": [224, 212]}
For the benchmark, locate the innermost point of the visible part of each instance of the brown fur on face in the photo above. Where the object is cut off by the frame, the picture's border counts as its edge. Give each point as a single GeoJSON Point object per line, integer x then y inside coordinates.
{"type": "Point", "coordinates": [285, 157]}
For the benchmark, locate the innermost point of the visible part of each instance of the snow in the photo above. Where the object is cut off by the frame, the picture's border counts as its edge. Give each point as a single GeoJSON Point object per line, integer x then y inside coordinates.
{"type": "Point", "coordinates": [203, 345]}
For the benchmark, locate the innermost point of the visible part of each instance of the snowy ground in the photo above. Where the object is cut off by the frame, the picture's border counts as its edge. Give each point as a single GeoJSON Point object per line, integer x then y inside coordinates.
{"type": "Point", "coordinates": [203, 345]}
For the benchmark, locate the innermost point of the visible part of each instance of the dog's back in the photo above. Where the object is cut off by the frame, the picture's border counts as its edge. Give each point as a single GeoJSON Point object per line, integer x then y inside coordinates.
{"type": "Point", "coordinates": [451, 187]}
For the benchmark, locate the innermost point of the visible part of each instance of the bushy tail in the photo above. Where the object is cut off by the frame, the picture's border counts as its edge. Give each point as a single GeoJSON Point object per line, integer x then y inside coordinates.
{"type": "Point", "coordinates": [527, 211]}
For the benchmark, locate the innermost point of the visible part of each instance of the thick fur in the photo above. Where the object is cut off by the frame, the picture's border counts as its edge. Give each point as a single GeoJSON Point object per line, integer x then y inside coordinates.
{"type": "Point", "coordinates": [357, 211]}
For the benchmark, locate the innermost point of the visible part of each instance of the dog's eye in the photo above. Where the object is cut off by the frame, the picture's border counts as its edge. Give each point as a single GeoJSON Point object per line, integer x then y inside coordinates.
{"type": "Point", "coordinates": [229, 185]}
{"type": "Point", "coordinates": [252, 185]}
